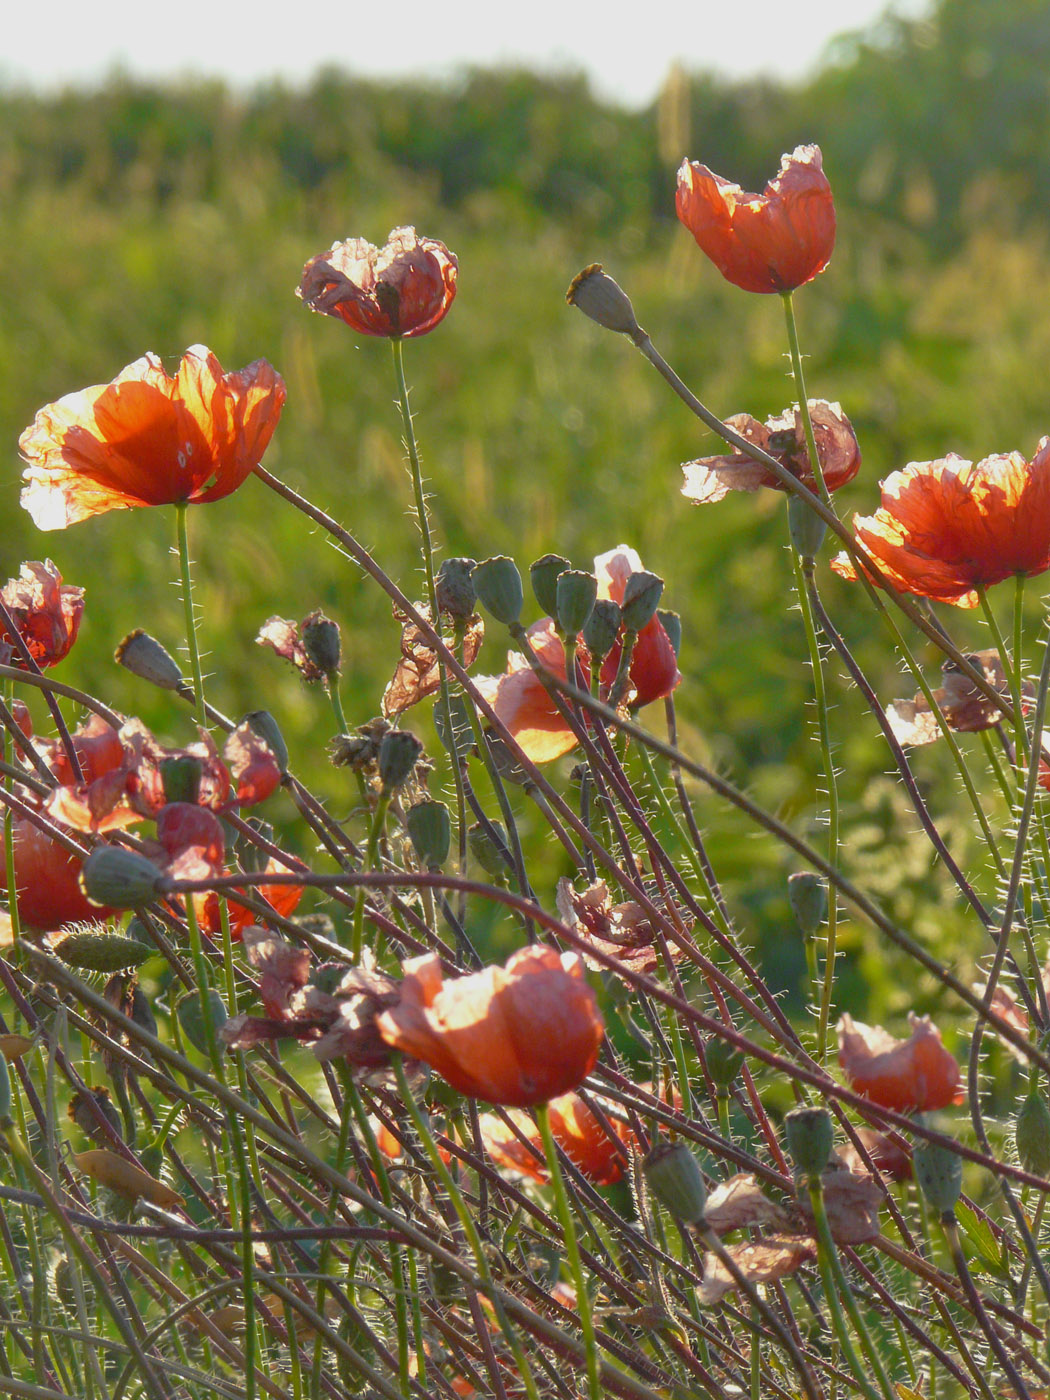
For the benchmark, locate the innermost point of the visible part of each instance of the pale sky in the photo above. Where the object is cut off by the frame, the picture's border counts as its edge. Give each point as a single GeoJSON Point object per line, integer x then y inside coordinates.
{"type": "Point", "coordinates": [625, 48]}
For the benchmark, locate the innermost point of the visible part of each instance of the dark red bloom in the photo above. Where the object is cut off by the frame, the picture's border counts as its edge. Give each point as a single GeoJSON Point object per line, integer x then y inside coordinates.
{"type": "Point", "coordinates": [402, 289]}
{"type": "Point", "coordinates": [917, 1074]}
{"type": "Point", "coordinates": [148, 439]}
{"type": "Point", "coordinates": [46, 881]}
{"type": "Point", "coordinates": [770, 242]}
{"type": "Point", "coordinates": [45, 612]}
{"type": "Point", "coordinates": [518, 1035]}
{"type": "Point", "coordinates": [947, 528]}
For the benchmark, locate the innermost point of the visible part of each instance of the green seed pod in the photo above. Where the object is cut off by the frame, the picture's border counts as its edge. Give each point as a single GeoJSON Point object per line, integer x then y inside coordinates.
{"type": "Point", "coordinates": [430, 829]}
{"type": "Point", "coordinates": [144, 656]}
{"type": "Point", "coordinates": [399, 751]}
{"type": "Point", "coordinates": [810, 1137]}
{"type": "Point", "coordinates": [671, 622]}
{"type": "Point", "coordinates": [544, 575]}
{"type": "Point", "coordinates": [505, 760]}
{"type": "Point", "coordinates": [65, 1286]}
{"type": "Point", "coordinates": [191, 1017]}
{"type": "Point", "coordinates": [602, 628]}
{"type": "Point", "coordinates": [598, 296]}
{"type": "Point", "coordinates": [806, 528]}
{"type": "Point", "coordinates": [723, 1062]}
{"type": "Point", "coordinates": [454, 588]}
{"type": "Point", "coordinates": [498, 586]}
{"type": "Point", "coordinates": [494, 859]}
{"type": "Point", "coordinates": [461, 725]}
{"type": "Point", "coordinates": [808, 897]}
{"type": "Point", "coordinates": [676, 1181]}
{"type": "Point", "coordinates": [102, 952]}
{"type": "Point", "coordinates": [640, 599]}
{"type": "Point", "coordinates": [262, 723]}
{"type": "Point", "coordinates": [321, 642]}
{"type": "Point", "coordinates": [1032, 1133]}
{"type": "Point", "coordinates": [120, 878]}
{"type": "Point", "coordinates": [180, 776]}
{"type": "Point", "coordinates": [939, 1172]}
{"type": "Point", "coordinates": [576, 592]}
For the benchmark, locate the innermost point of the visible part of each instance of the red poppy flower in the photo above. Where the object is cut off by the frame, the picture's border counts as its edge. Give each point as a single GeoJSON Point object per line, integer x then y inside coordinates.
{"type": "Point", "coordinates": [45, 612]}
{"type": "Point", "coordinates": [402, 289]}
{"type": "Point", "coordinates": [917, 1074]}
{"type": "Point", "coordinates": [46, 881]}
{"type": "Point", "coordinates": [574, 1128]}
{"type": "Point", "coordinates": [518, 1035]}
{"type": "Point", "coordinates": [149, 440]}
{"type": "Point", "coordinates": [946, 528]}
{"type": "Point", "coordinates": [519, 696]}
{"type": "Point", "coordinates": [770, 242]}
{"type": "Point", "coordinates": [712, 478]}
{"type": "Point", "coordinates": [282, 899]}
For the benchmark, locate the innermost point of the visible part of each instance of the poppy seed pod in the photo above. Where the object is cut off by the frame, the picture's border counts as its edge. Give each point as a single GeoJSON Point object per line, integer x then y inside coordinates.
{"type": "Point", "coordinates": [180, 776]}
{"type": "Point", "coordinates": [263, 724]}
{"type": "Point", "coordinates": [640, 599]}
{"type": "Point", "coordinates": [498, 585]}
{"type": "Point", "coordinates": [492, 853]}
{"type": "Point", "coordinates": [671, 622]}
{"type": "Point", "coordinates": [399, 751]}
{"type": "Point", "coordinates": [808, 897]}
{"type": "Point", "coordinates": [676, 1181]}
{"type": "Point", "coordinates": [144, 657]}
{"type": "Point", "coordinates": [430, 829]}
{"type": "Point", "coordinates": [602, 628]}
{"type": "Point", "coordinates": [723, 1062]}
{"type": "Point", "coordinates": [321, 642]}
{"type": "Point", "coordinates": [939, 1172]}
{"type": "Point", "coordinates": [118, 878]}
{"type": "Point", "coordinates": [810, 1137]}
{"type": "Point", "coordinates": [1032, 1133]}
{"type": "Point", "coordinates": [191, 1017]}
{"type": "Point", "coordinates": [454, 588]}
{"type": "Point", "coordinates": [544, 575]}
{"type": "Point", "coordinates": [806, 528]}
{"type": "Point", "coordinates": [600, 297]}
{"type": "Point", "coordinates": [576, 592]}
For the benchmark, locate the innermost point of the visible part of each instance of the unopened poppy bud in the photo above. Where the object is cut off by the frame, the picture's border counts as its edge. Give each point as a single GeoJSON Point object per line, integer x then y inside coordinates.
{"type": "Point", "coordinates": [399, 751]}
{"type": "Point", "coordinates": [461, 728]}
{"type": "Point", "coordinates": [86, 1108]}
{"type": "Point", "coordinates": [723, 1062]}
{"type": "Point", "coordinates": [598, 296]}
{"type": "Point", "coordinates": [602, 628]}
{"type": "Point", "coordinates": [141, 1011]}
{"type": "Point", "coordinates": [809, 1137]}
{"type": "Point", "coordinates": [120, 879]}
{"type": "Point", "coordinates": [576, 592]}
{"type": "Point", "coordinates": [544, 575]}
{"type": "Point", "coordinates": [808, 897]}
{"type": "Point", "coordinates": [805, 526]}
{"type": "Point", "coordinates": [180, 777]}
{"type": "Point", "coordinates": [430, 829]}
{"type": "Point", "coordinates": [102, 952]}
{"type": "Point", "coordinates": [191, 1017]}
{"type": "Point", "coordinates": [498, 585]}
{"type": "Point", "coordinates": [676, 1181]}
{"type": "Point", "coordinates": [1032, 1133]}
{"type": "Point", "coordinates": [505, 760]}
{"type": "Point", "coordinates": [490, 851]}
{"type": "Point", "coordinates": [671, 622]}
{"type": "Point", "coordinates": [262, 723]}
{"type": "Point", "coordinates": [640, 599]}
{"type": "Point", "coordinates": [144, 656]}
{"type": "Point", "coordinates": [454, 588]}
{"type": "Point", "coordinates": [320, 638]}
{"type": "Point", "coordinates": [939, 1172]}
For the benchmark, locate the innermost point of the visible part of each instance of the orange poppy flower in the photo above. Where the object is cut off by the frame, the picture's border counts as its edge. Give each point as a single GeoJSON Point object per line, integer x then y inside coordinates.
{"type": "Point", "coordinates": [574, 1128]}
{"type": "Point", "coordinates": [402, 289]}
{"type": "Point", "coordinates": [917, 1074]}
{"type": "Point", "coordinates": [45, 611]}
{"type": "Point", "coordinates": [283, 900]}
{"type": "Point", "coordinates": [770, 242]}
{"type": "Point", "coordinates": [46, 881]}
{"type": "Point", "coordinates": [519, 696]}
{"type": "Point", "coordinates": [946, 528]}
{"type": "Point", "coordinates": [518, 1035]}
{"type": "Point", "coordinates": [149, 440]}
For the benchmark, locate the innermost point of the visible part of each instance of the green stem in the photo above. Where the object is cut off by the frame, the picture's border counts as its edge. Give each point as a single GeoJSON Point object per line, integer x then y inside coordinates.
{"type": "Point", "coordinates": [371, 855]}
{"type": "Point", "coordinates": [803, 401]}
{"type": "Point", "coordinates": [572, 1251]}
{"type": "Point", "coordinates": [1011, 669]}
{"type": "Point", "coordinates": [190, 617]}
{"type": "Point", "coordinates": [9, 835]}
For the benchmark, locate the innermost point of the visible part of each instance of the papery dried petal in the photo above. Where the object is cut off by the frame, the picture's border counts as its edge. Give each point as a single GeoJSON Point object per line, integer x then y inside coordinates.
{"type": "Point", "coordinates": [739, 1204]}
{"type": "Point", "coordinates": [418, 674]}
{"type": "Point", "coordinates": [45, 612]}
{"type": "Point", "coordinates": [402, 289]}
{"type": "Point", "coordinates": [763, 1261]}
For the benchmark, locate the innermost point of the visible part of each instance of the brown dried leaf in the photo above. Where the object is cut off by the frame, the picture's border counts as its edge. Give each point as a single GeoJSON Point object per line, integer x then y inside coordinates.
{"type": "Point", "coordinates": [417, 674]}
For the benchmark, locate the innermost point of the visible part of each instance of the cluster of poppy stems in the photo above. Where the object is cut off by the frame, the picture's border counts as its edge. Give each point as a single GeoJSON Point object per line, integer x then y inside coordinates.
{"type": "Point", "coordinates": [524, 1035]}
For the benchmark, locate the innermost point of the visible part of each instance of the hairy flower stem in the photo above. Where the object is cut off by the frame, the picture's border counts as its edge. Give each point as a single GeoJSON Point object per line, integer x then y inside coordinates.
{"type": "Point", "coordinates": [9, 842]}
{"type": "Point", "coordinates": [183, 547]}
{"type": "Point", "coordinates": [951, 1230]}
{"type": "Point", "coordinates": [803, 401]}
{"type": "Point", "coordinates": [371, 857]}
{"type": "Point", "coordinates": [572, 1251]}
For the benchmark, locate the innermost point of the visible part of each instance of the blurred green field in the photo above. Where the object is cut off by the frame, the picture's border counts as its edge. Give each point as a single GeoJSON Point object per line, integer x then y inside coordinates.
{"type": "Point", "coordinates": [138, 218]}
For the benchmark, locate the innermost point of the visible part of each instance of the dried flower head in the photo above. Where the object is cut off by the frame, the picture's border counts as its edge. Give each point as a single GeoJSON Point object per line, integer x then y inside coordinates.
{"type": "Point", "coordinates": [45, 611]}
{"type": "Point", "coordinates": [402, 289]}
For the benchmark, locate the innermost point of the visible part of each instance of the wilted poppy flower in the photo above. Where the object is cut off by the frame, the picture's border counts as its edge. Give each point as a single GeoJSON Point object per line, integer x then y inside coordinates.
{"type": "Point", "coordinates": [946, 528]}
{"type": "Point", "coordinates": [523, 703]}
{"type": "Point", "coordinates": [574, 1128]}
{"type": "Point", "coordinates": [621, 931]}
{"type": "Point", "coordinates": [770, 242]}
{"type": "Point", "coordinates": [45, 611]}
{"type": "Point", "coordinates": [917, 1074]}
{"type": "Point", "coordinates": [518, 1035]}
{"type": "Point", "coordinates": [712, 478]}
{"type": "Point", "coordinates": [148, 439]}
{"type": "Point", "coordinates": [963, 706]}
{"type": "Point", "coordinates": [402, 289]}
